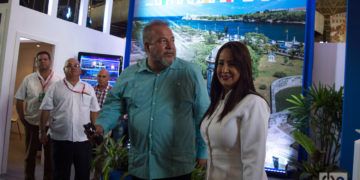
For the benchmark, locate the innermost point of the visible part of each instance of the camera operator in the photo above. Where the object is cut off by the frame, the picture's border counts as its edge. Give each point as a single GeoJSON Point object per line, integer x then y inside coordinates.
{"type": "Point", "coordinates": [71, 103]}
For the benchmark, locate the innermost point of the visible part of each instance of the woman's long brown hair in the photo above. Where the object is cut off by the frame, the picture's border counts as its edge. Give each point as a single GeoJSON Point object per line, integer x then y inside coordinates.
{"type": "Point", "coordinates": [244, 86]}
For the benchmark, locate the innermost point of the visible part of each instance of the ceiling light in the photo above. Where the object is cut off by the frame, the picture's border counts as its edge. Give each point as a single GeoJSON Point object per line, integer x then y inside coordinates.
{"type": "Point", "coordinates": [24, 39]}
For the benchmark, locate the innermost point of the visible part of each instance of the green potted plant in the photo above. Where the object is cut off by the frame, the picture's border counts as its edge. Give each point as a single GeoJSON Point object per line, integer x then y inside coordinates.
{"type": "Point", "coordinates": [317, 118]}
{"type": "Point", "coordinates": [112, 157]}
{"type": "Point", "coordinates": [199, 173]}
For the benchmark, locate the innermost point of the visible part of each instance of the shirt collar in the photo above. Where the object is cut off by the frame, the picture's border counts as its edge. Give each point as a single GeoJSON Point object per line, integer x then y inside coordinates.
{"type": "Point", "coordinates": [107, 87]}
{"type": "Point", "coordinates": [39, 75]}
{"type": "Point", "coordinates": [143, 65]}
{"type": "Point", "coordinates": [69, 84]}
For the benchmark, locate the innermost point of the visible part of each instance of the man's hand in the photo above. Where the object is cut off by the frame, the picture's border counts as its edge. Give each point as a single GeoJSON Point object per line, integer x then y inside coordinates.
{"type": "Point", "coordinates": [43, 138]}
{"type": "Point", "coordinates": [201, 163]}
{"type": "Point", "coordinates": [20, 111]}
{"type": "Point", "coordinates": [94, 133]}
{"type": "Point", "coordinates": [99, 130]}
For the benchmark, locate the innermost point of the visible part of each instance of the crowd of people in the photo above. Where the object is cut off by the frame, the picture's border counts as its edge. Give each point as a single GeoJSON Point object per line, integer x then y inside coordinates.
{"type": "Point", "coordinates": [172, 123]}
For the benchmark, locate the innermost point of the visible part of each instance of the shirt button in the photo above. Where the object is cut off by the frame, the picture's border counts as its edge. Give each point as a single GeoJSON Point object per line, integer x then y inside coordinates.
{"type": "Point", "coordinates": [153, 103]}
{"type": "Point", "coordinates": [152, 119]}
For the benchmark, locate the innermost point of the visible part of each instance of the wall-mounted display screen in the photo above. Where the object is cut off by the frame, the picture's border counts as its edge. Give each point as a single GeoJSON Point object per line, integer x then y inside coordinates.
{"type": "Point", "coordinates": [274, 31]}
{"type": "Point", "coordinates": [92, 63]}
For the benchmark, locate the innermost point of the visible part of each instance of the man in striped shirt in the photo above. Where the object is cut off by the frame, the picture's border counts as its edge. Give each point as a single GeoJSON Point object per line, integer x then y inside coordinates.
{"type": "Point", "coordinates": [101, 90]}
{"type": "Point", "coordinates": [103, 86]}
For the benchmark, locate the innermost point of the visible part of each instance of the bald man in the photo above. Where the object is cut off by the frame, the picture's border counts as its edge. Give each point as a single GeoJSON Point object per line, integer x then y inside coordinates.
{"type": "Point", "coordinates": [103, 86]}
{"type": "Point", "coordinates": [101, 89]}
{"type": "Point", "coordinates": [71, 104]}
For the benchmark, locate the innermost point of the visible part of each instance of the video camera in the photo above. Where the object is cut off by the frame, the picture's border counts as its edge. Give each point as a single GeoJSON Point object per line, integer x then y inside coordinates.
{"type": "Point", "coordinates": [90, 132]}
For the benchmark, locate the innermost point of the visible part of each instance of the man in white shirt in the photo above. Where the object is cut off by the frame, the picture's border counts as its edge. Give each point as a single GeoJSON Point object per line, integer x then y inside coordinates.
{"type": "Point", "coordinates": [30, 93]}
{"type": "Point", "coordinates": [71, 103]}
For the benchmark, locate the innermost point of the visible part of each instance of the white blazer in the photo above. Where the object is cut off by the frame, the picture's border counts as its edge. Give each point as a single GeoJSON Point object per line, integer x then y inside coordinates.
{"type": "Point", "coordinates": [237, 144]}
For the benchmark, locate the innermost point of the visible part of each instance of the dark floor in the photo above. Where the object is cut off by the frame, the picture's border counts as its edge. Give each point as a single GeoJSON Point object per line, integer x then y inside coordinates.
{"type": "Point", "coordinates": [15, 170]}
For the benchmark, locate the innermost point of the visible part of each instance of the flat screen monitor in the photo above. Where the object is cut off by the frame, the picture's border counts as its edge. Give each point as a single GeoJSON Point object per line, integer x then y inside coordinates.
{"type": "Point", "coordinates": [92, 63]}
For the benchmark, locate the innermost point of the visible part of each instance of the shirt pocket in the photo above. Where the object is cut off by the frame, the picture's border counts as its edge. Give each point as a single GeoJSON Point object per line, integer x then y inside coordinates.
{"type": "Point", "coordinates": [183, 94]}
{"type": "Point", "coordinates": [86, 100]}
{"type": "Point", "coordinates": [135, 97]}
{"type": "Point", "coordinates": [33, 92]}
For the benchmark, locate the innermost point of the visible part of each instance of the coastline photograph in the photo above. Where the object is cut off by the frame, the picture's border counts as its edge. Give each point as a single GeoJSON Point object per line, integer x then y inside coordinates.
{"type": "Point", "coordinates": [274, 32]}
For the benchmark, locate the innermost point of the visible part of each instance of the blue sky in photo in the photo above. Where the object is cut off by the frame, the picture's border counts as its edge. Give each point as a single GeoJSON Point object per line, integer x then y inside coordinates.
{"type": "Point", "coordinates": [162, 8]}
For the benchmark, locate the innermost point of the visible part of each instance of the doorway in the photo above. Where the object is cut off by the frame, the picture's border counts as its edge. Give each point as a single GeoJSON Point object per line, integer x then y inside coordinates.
{"type": "Point", "coordinates": [28, 48]}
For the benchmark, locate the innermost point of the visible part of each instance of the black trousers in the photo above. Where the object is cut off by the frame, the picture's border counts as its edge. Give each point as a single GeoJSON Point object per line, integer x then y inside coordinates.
{"type": "Point", "coordinates": [66, 153]}
{"type": "Point", "coordinates": [183, 177]}
{"type": "Point", "coordinates": [32, 145]}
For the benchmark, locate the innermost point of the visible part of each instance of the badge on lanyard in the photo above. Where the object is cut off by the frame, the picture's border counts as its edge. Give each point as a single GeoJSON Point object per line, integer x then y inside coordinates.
{"type": "Point", "coordinates": [44, 84]}
{"type": "Point", "coordinates": [41, 96]}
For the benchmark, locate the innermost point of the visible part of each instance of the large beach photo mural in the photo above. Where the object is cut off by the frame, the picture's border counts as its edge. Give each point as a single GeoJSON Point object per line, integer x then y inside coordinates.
{"type": "Point", "coordinates": [274, 32]}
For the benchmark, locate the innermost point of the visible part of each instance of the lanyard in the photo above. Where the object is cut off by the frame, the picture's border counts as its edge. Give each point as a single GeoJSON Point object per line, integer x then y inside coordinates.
{"type": "Point", "coordinates": [45, 83]}
{"type": "Point", "coordinates": [80, 92]}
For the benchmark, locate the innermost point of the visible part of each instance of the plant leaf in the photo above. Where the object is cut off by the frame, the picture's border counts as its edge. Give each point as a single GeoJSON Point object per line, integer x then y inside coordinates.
{"type": "Point", "coordinates": [305, 142]}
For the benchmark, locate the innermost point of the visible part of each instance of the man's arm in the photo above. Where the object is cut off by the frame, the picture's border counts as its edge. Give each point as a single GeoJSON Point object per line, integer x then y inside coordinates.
{"type": "Point", "coordinates": [93, 116]}
{"type": "Point", "coordinates": [109, 114]}
{"type": "Point", "coordinates": [45, 114]}
{"type": "Point", "coordinates": [113, 106]}
{"type": "Point", "coordinates": [46, 106]}
{"type": "Point", "coordinates": [201, 105]}
{"type": "Point", "coordinates": [20, 110]}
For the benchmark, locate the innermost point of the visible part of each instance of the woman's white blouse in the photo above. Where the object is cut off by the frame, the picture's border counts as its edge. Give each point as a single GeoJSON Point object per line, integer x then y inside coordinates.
{"type": "Point", "coordinates": [237, 143]}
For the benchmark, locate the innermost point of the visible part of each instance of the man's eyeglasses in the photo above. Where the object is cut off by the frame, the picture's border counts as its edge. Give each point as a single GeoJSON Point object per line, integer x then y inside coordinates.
{"type": "Point", "coordinates": [73, 66]}
{"type": "Point", "coordinates": [101, 76]}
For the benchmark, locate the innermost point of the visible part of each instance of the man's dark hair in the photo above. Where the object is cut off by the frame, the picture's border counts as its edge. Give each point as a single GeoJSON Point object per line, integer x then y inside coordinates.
{"type": "Point", "coordinates": [43, 52]}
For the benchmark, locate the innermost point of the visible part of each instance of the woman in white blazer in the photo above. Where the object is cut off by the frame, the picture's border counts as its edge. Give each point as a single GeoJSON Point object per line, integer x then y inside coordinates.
{"type": "Point", "coordinates": [235, 125]}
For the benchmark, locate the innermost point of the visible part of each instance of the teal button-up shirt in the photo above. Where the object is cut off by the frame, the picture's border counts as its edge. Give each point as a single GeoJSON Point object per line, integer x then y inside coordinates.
{"type": "Point", "coordinates": [165, 111]}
